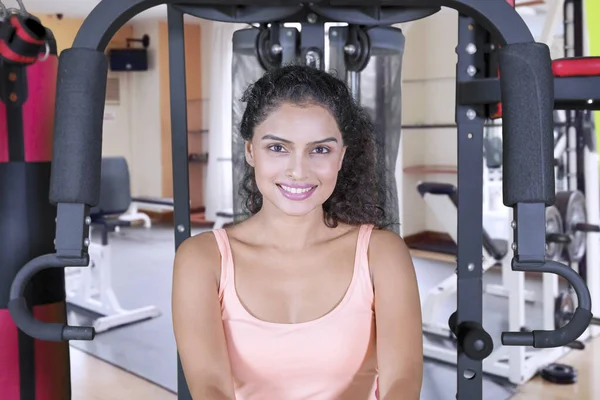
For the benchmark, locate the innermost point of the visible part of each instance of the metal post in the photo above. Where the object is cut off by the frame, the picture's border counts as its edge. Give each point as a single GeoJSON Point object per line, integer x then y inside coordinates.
{"type": "Point", "coordinates": [470, 196]}
{"type": "Point", "coordinates": [580, 141]}
{"type": "Point", "coordinates": [179, 143]}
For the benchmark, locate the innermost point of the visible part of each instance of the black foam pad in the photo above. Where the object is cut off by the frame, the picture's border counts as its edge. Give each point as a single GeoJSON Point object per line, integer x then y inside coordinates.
{"type": "Point", "coordinates": [77, 147]}
{"type": "Point", "coordinates": [527, 86]}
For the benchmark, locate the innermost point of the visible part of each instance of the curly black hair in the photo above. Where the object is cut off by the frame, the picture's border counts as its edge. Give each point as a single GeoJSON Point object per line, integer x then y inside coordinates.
{"type": "Point", "coordinates": [357, 197]}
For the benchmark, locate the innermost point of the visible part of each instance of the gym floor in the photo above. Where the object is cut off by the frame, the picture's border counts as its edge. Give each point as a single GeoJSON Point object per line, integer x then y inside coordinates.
{"type": "Point", "coordinates": [138, 361]}
{"type": "Point", "coordinates": [93, 379]}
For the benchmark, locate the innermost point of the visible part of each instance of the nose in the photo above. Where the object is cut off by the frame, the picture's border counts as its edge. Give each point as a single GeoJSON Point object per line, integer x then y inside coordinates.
{"type": "Point", "coordinates": [297, 167]}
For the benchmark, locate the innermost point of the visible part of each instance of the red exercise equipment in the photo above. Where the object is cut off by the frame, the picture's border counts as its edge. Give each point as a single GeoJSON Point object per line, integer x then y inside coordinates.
{"type": "Point", "coordinates": [30, 369]}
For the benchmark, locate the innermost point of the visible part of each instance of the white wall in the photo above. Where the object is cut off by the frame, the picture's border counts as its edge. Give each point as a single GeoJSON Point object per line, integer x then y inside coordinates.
{"type": "Point", "coordinates": [428, 98]}
{"type": "Point", "coordinates": [115, 139]}
{"type": "Point", "coordinates": [145, 125]}
{"type": "Point", "coordinates": [132, 128]}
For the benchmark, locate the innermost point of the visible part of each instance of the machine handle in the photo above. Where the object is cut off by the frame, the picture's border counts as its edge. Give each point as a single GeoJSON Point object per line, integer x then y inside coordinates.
{"type": "Point", "coordinates": [569, 332]}
{"type": "Point", "coordinates": [583, 227]}
{"type": "Point", "coordinates": [558, 238]}
{"type": "Point", "coordinates": [22, 315]}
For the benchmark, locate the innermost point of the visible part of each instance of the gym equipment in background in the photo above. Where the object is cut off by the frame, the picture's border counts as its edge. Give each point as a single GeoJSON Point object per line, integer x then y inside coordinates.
{"type": "Point", "coordinates": [442, 200]}
{"type": "Point", "coordinates": [581, 156]}
{"type": "Point", "coordinates": [29, 368]}
{"type": "Point", "coordinates": [91, 288]}
{"type": "Point", "coordinates": [22, 36]}
{"type": "Point", "coordinates": [574, 147]}
{"type": "Point", "coordinates": [527, 90]}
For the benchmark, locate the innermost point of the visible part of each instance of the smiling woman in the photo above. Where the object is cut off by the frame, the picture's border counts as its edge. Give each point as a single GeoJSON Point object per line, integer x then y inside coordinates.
{"type": "Point", "coordinates": [317, 123]}
{"type": "Point", "coordinates": [310, 297]}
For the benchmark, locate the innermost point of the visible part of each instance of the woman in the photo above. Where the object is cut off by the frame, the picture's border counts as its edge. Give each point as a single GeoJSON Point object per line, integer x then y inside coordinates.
{"type": "Point", "coordinates": [309, 298]}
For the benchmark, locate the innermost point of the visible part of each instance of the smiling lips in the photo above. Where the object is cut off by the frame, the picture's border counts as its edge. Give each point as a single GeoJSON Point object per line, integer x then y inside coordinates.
{"type": "Point", "coordinates": [297, 192]}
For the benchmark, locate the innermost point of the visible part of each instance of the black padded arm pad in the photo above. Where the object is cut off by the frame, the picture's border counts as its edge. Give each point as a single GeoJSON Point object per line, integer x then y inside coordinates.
{"type": "Point", "coordinates": [77, 148]}
{"type": "Point", "coordinates": [528, 141]}
{"type": "Point", "coordinates": [436, 188]}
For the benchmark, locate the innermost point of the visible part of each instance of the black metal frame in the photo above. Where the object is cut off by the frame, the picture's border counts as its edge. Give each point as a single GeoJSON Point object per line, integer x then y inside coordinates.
{"type": "Point", "coordinates": [496, 17]}
{"type": "Point", "coordinates": [470, 125]}
{"type": "Point", "coordinates": [570, 93]}
{"type": "Point", "coordinates": [179, 144]}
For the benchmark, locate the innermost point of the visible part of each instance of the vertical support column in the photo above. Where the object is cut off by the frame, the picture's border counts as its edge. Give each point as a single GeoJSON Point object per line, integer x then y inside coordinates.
{"type": "Point", "coordinates": [580, 117]}
{"type": "Point", "coordinates": [179, 143]}
{"type": "Point", "coordinates": [470, 197]}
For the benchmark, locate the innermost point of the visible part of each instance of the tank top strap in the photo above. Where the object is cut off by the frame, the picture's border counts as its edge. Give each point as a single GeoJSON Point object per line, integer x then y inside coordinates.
{"type": "Point", "coordinates": [362, 268]}
{"type": "Point", "coordinates": [226, 259]}
{"type": "Point", "coordinates": [362, 245]}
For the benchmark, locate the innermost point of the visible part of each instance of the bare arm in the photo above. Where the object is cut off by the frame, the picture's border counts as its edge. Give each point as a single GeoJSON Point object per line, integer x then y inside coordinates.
{"type": "Point", "coordinates": [398, 317]}
{"type": "Point", "coordinates": [197, 320]}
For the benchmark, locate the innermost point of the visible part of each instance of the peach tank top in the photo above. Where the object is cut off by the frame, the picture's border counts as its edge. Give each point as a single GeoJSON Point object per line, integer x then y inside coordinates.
{"type": "Point", "coordinates": [330, 358]}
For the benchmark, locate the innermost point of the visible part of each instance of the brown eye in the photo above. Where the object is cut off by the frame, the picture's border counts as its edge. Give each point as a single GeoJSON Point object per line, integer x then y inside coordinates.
{"type": "Point", "coordinates": [276, 148]}
{"type": "Point", "coordinates": [321, 150]}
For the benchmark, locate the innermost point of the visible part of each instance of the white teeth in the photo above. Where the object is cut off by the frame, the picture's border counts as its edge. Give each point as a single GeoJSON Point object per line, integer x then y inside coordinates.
{"type": "Point", "coordinates": [295, 190]}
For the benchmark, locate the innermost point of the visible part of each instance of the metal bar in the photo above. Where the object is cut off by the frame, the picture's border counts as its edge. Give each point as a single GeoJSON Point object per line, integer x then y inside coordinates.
{"type": "Point", "coordinates": [497, 17]}
{"type": "Point", "coordinates": [481, 91]}
{"type": "Point", "coordinates": [570, 93]}
{"type": "Point", "coordinates": [578, 42]}
{"type": "Point", "coordinates": [107, 18]}
{"type": "Point", "coordinates": [470, 209]}
{"type": "Point", "coordinates": [179, 143]}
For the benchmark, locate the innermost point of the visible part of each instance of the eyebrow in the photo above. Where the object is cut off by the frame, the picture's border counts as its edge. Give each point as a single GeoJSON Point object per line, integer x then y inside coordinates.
{"type": "Point", "coordinates": [273, 137]}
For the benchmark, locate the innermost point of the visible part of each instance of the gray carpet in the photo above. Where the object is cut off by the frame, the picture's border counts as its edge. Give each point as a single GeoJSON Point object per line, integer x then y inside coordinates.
{"type": "Point", "coordinates": [143, 262]}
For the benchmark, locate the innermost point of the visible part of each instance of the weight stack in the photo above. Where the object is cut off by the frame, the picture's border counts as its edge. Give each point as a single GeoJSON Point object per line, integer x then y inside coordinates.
{"type": "Point", "coordinates": [30, 369]}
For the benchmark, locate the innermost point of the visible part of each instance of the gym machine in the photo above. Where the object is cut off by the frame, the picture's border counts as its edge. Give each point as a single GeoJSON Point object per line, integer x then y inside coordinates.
{"type": "Point", "coordinates": [526, 90]}
{"type": "Point", "coordinates": [578, 199]}
{"type": "Point", "coordinates": [567, 221]}
{"type": "Point", "coordinates": [29, 368]}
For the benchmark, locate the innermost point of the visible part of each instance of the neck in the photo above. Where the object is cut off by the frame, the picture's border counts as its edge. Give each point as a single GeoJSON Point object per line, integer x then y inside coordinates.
{"type": "Point", "coordinates": [289, 232]}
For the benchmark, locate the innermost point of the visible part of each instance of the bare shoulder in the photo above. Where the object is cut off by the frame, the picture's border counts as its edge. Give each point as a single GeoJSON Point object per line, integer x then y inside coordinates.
{"type": "Point", "coordinates": [388, 253]}
{"type": "Point", "coordinates": [385, 244]}
{"type": "Point", "coordinates": [198, 256]}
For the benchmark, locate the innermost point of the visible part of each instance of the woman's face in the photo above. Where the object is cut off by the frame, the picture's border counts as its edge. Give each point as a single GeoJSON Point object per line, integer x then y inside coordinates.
{"type": "Point", "coordinates": [296, 154]}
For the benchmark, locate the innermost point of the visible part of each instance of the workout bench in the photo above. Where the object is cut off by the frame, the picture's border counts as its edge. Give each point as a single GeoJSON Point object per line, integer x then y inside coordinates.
{"type": "Point", "coordinates": [91, 288]}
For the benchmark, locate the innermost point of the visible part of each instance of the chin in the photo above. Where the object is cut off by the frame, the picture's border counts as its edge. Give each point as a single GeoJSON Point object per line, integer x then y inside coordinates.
{"type": "Point", "coordinates": [293, 210]}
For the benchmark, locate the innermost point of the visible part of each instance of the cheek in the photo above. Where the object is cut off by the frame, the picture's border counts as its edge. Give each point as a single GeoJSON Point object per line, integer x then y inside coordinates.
{"type": "Point", "coordinates": [326, 168]}
{"type": "Point", "coordinates": [265, 166]}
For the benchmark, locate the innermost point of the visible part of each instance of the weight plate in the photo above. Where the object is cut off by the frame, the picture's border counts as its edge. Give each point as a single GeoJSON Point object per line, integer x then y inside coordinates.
{"type": "Point", "coordinates": [360, 59]}
{"type": "Point", "coordinates": [571, 205]}
{"type": "Point", "coordinates": [564, 308]}
{"type": "Point", "coordinates": [554, 224]}
{"type": "Point", "coordinates": [559, 373]}
{"type": "Point", "coordinates": [267, 59]}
